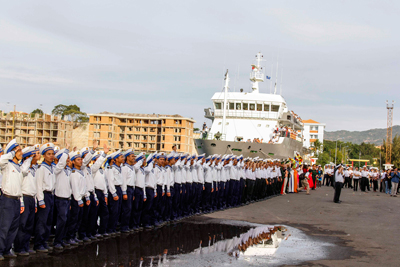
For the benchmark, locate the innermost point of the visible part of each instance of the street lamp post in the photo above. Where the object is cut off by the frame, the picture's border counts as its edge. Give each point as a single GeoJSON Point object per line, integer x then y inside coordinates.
{"type": "Point", "coordinates": [335, 152]}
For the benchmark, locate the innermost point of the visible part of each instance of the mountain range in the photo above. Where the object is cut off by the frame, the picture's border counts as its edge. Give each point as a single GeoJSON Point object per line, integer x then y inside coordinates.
{"type": "Point", "coordinates": [373, 136]}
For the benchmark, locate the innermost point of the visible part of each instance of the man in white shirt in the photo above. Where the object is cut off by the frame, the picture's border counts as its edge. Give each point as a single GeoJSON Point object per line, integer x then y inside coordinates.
{"type": "Point", "coordinates": [339, 179]}
{"type": "Point", "coordinates": [27, 218]}
{"type": "Point", "coordinates": [10, 205]}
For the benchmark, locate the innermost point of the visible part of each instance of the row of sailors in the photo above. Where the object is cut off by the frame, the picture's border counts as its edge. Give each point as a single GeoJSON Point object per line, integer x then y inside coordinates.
{"type": "Point", "coordinates": [132, 191]}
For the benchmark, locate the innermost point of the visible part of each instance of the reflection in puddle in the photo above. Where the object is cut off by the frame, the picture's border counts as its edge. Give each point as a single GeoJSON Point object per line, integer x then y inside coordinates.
{"type": "Point", "coordinates": [201, 242]}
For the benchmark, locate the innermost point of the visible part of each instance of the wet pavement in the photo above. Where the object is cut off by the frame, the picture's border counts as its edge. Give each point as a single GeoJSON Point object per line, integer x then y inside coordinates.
{"type": "Point", "coordinates": [198, 241]}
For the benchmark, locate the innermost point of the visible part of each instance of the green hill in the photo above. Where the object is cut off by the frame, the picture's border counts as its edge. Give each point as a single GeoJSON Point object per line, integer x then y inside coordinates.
{"type": "Point", "coordinates": [373, 136]}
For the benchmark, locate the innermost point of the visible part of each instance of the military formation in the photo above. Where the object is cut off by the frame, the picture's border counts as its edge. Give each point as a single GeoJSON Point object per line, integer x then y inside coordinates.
{"type": "Point", "coordinates": [84, 195]}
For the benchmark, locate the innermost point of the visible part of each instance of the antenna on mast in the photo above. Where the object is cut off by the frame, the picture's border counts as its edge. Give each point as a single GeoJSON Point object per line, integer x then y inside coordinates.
{"type": "Point", "coordinates": [276, 79]}
{"type": "Point", "coordinates": [281, 83]}
{"type": "Point", "coordinates": [270, 80]}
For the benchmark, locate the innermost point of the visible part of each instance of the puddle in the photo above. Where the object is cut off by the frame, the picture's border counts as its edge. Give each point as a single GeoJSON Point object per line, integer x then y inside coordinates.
{"type": "Point", "coordinates": [194, 242]}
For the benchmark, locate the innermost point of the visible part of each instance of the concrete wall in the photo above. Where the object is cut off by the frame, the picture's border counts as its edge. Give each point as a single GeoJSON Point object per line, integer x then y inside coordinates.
{"type": "Point", "coordinates": [80, 136]}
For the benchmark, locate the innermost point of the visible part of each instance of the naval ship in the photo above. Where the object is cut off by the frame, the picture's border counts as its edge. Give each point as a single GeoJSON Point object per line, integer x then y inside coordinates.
{"type": "Point", "coordinates": [248, 123]}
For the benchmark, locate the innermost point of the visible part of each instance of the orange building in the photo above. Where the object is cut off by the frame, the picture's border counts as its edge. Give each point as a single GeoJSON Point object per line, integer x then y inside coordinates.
{"type": "Point", "coordinates": [142, 132]}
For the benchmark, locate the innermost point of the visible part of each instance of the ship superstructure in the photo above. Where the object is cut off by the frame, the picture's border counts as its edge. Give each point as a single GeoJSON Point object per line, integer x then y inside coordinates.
{"type": "Point", "coordinates": [242, 117]}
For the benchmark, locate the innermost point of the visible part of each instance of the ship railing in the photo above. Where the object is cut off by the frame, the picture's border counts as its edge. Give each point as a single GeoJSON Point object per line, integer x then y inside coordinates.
{"type": "Point", "coordinates": [213, 136]}
{"type": "Point", "coordinates": [248, 114]}
{"type": "Point", "coordinates": [257, 76]}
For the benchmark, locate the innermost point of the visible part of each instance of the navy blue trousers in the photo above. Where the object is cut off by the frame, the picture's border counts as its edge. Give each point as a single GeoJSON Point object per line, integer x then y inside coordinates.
{"type": "Point", "coordinates": [159, 205]}
{"type": "Point", "coordinates": [207, 197]}
{"type": "Point", "coordinates": [62, 207]}
{"type": "Point", "coordinates": [126, 209]}
{"type": "Point", "coordinates": [102, 213]}
{"type": "Point", "coordinates": [226, 193]}
{"type": "Point", "coordinates": [9, 222]}
{"type": "Point", "coordinates": [199, 193]}
{"type": "Point", "coordinates": [176, 202]}
{"type": "Point", "coordinates": [44, 221]}
{"type": "Point", "coordinates": [114, 208]}
{"type": "Point", "coordinates": [148, 214]}
{"type": "Point", "coordinates": [85, 219]}
{"type": "Point", "coordinates": [168, 205]}
{"type": "Point", "coordinates": [74, 219]}
{"type": "Point", "coordinates": [184, 200]}
{"type": "Point", "coordinates": [136, 215]}
{"type": "Point", "coordinates": [221, 195]}
{"type": "Point", "coordinates": [91, 227]}
{"type": "Point", "coordinates": [26, 223]}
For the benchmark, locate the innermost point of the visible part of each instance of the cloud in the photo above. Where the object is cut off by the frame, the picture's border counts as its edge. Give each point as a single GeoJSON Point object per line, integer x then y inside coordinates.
{"type": "Point", "coordinates": [33, 78]}
{"type": "Point", "coordinates": [307, 29]}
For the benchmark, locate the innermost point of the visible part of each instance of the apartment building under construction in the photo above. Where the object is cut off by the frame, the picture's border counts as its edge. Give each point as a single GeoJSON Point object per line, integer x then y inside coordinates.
{"type": "Point", "coordinates": [142, 132]}
{"type": "Point", "coordinates": [39, 129]}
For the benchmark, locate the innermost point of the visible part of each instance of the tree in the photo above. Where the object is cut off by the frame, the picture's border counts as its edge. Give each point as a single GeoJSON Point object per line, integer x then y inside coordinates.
{"type": "Point", "coordinates": [36, 111]}
{"type": "Point", "coordinates": [77, 116]}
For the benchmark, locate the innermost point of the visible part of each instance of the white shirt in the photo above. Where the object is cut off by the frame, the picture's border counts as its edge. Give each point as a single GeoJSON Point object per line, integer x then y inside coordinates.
{"type": "Point", "coordinates": [46, 179]}
{"type": "Point", "coordinates": [78, 185]}
{"type": "Point", "coordinates": [339, 177]}
{"type": "Point", "coordinates": [63, 179]}
{"type": "Point", "coordinates": [129, 174]}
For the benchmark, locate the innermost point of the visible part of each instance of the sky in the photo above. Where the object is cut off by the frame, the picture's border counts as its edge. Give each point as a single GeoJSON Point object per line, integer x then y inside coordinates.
{"type": "Point", "coordinates": [339, 61]}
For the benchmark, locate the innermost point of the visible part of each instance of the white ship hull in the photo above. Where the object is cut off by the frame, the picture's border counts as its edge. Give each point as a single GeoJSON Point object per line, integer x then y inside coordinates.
{"type": "Point", "coordinates": [286, 149]}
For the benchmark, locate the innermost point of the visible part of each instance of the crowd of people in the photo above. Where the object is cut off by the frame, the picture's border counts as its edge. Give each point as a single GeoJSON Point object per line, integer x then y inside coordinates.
{"type": "Point", "coordinates": [84, 195]}
{"type": "Point", "coordinates": [364, 178]}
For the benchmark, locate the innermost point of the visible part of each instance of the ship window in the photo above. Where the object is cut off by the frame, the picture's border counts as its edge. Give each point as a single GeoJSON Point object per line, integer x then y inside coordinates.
{"type": "Point", "coordinates": [238, 106]}
{"type": "Point", "coordinates": [259, 107]}
{"type": "Point", "coordinates": [219, 123]}
{"type": "Point", "coordinates": [245, 106]}
{"type": "Point", "coordinates": [258, 125]}
{"type": "Point", "coordinates": [274, 108]}
{"type": "Point", "coordinates": [266, 107]}
{"type": "Point", "coordinates": [252, 106]}
{"type": "Point", "coordinates": [232, 106]}
{"type": "Point", "coordinates": [217, 105]}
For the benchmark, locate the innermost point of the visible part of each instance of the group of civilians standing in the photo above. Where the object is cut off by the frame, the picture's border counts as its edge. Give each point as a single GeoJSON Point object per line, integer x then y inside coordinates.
{"type": "Point", "coordinates": [363, 177]}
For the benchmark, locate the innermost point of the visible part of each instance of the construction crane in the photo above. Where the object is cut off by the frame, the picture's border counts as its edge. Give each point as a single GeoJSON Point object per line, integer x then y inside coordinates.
{"type": "Point", "coordinates": [389, 132]}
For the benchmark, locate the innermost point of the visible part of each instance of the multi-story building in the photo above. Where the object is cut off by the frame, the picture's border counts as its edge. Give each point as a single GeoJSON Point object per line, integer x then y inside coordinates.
{"type": "Point", "coordinates": [38, 129]}
{"type": "Point", "coordinates": [313, 131]}
{"type": "Point", "coordinates": [142, 132]}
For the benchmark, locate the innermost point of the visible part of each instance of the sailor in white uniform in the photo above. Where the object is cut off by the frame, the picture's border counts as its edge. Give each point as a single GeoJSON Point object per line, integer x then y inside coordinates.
{"type": "Point", "coordinates": [78, 198]}
{"type": "Point", "coordinates": [27, 218]}
{"type": "Point", "coordinates": [45, 178]}
{"type": "Point", "coordinates": [129, 170]}
{"type": "Point", "coordinates": [62, 197]}
{"type": "Point", "coordinates": [1, 176]}
{"type": "Point", "coordinates": [100, 186]}
{"type": "Point", "coordinates": [115, 182]}
{"type": "Point", "coordinates": [10, 202]}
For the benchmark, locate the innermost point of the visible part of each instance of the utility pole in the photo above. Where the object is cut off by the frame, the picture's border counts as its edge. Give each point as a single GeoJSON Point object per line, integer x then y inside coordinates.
{"type": "Point", "coordinates": [335, 152]}
{"type": "Point", "coordinates": [13, 127]}
{"type": "Point", "coordinates": [389, 132]}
